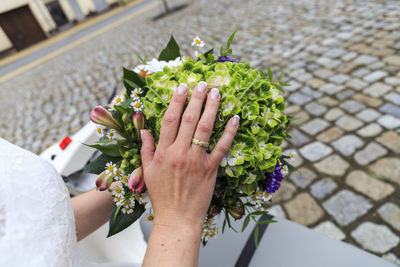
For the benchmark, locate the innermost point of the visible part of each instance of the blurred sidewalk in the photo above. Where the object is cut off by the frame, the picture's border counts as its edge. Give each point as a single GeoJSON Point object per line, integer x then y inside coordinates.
{"type": "Point", "coordinates": [17, 63]}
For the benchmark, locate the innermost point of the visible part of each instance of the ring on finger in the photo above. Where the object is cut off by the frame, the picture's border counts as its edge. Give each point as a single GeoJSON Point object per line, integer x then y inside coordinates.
{"type": "Point", "coordinates": [198, 142]}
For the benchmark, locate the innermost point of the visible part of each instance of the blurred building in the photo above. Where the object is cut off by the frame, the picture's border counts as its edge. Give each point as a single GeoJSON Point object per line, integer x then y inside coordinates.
{"type": "Point", "coordinates": [26, 22]}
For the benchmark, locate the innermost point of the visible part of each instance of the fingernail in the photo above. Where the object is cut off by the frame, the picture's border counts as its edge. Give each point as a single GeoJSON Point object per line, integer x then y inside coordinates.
{"type": "Point", "coordinates": [182, 88]}
{"type": "Point", "coordinates": [141, 134]}
{"type": "Point", "coordinates": [214, 93]}
{"type": "Point", "coordinates": [201, 86]}
{"type": "Point", "coordinates": [235, 120]}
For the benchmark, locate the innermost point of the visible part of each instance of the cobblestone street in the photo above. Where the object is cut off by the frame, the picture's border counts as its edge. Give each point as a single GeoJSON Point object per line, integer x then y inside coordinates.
{"type": "Point", "coordinates": [342, 59]}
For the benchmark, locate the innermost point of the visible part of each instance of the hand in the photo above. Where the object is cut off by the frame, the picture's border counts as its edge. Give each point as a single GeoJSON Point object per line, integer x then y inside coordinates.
{"type": "Point", "coordinates": [180, 176]}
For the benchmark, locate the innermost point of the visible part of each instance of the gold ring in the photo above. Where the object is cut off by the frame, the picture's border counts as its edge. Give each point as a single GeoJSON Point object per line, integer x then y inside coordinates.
{"type": "Point", "coordinates": [200, 143]}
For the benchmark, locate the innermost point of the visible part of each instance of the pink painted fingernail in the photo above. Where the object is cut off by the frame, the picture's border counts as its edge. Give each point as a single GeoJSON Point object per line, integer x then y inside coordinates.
{"type": "Point", "coordinates": [235, 120]}
{"type": "Point", "coordinates": [214, 93]}
{"type": "Point", "coordinates": [201, 87]}
{"type": "Point", "coordinates": [182, 88]}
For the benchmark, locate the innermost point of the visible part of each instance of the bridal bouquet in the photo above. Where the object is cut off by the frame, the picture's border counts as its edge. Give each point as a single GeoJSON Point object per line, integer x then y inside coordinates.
{"type": "Point", "coordinates": [248, 175]}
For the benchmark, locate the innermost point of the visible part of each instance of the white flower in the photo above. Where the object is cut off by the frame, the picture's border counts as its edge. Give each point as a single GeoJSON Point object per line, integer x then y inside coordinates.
{"type": "Point", "coordinates": [292, 156]}
{"type": "Point", "coordinates": [135, 93]}
{"type": "Point", "coordinates": [128, 206]}
{"type": "Point", "coordinates": [155, 65]}
{"type": "Point", "coordinates": [110, 168]}
{"type": "Point", "coordinates": [111, 134]}
{"type": "Point", "coordinates": [137, 105]}
{"type": "Point", "coordinates": [118, 99]}
{"type": "Point", "coordinates": [118, 191]}
{"type": "Point", "coordinates": [118, 201]}
{"type": "Point", "coordinates": [126, 210]}
{"type": "Point", "coordinates": [119, 173]}
{"type": "Point", "coordinates": [125, 179]}
{"type": "Point", "coordinates": [197, 42]}
{"type": "Point", "coordinates": [99, 131]}
{"type": "Point", "coordinates": [197, 53]}
{"type": "Point", "coordinates": [285, 170]}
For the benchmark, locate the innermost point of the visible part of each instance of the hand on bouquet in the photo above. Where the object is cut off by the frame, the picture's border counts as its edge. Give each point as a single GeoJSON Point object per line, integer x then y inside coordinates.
{"type": "Point", "coordinates": [179, 175]}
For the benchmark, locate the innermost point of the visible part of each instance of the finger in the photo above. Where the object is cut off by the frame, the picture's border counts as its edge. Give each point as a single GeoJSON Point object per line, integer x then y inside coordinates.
{"type": "Point", "coordinates": [147, 150]}
{"type": "Point", "coordinates": [170, 122]}
{"type": "Point", "coordinates": [192, 114]}
{"type": "Point", "coordinates": [206, 124]}
{"type": "Point", "coordinates": [225, 142]}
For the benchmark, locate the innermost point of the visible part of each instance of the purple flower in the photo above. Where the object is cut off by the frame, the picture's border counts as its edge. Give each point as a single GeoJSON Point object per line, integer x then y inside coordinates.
{"type": "Point", "coordinates": [273, 179]}
{"type": "Point", "coordinates": [224, 59]}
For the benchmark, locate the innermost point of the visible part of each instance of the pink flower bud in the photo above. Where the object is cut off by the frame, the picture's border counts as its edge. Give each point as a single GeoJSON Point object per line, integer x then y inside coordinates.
{"type": "Point", "coordinates": [103, 117]}
{"type": "Point", "coordinates": [236, 212]}
{"type": "Point", "coordinates": [213, 211]}
{"type": "Point", "coordinates": [104, 181]}
{"type": "Point", "coordinates": [138, 122]}
{"type": "Point", "coordinates": [136, 182]}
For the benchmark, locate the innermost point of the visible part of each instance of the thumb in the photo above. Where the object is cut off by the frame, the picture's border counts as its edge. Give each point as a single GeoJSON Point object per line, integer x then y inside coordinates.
{"type": "Point", "coordinates": [147, 151]}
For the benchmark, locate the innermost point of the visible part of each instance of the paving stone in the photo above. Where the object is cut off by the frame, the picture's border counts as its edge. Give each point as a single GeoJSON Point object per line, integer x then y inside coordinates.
{"type": "Point", "coordinates": [330, 135]}
{"type": "Point", "coordinates": [333, 165]}
{"type": "Point", "coordinates": [368, 185]}
{"type": "Point", "coordinates": [370, 101]}
{"type": "Point", "coordinates": [315, 108]}
{"type": "Point", "coordinates": [303, 209]}
{"type": "Point", "coordinates": [378, 89]}
{"type": "Point", "coordinates": [370, 153]}
{"type": "Point", "coordinates": [330, 229]}
{"type": "Point", "coordinates": [333, 114]}
{"type": "Point", "coordinates": [392, 258]}
{"type": "Point", "coordinates": [389, 122]}
{"type": "Point", "coordinates": [302, 177]}
{"type": "Point", "coordinates": [375, 76]}
{"type": "Point", "coordinates": [348, 123]}
{"type": "Point", "coordinates": [390, 109]}
{"type": "Point", "coordinates": [315, 83]}
{"type": "Point", "coordinates": [297, 161]}
{"type": "Point", "coordinates": [391, 140]}
{"type": "Point", "coordinates": [393, 60]}
{"type": "Point", "coordinates": [331, 88]}
{"type": "Point", "coordinates": [345, 94]}
{"type": "Point", "coordinates": [374, 237]}
{"type": "Point", "coordinates": [310, 92]}
{"type": "Point", "coordinates": [392, 81]}
{"type": "Point", "coordinates": [291, 109]}
{"type": "Point", "coordinates": [390, 213]}
{"type": "Point", "coordinates": [360, 72]}
{"type": "Point", "coordinates": [323, 188]}
{"type": "Point", "coordinates": [285, 192]}
{"type": "Point", "coordinates": [314, 126]}
{"type": "Point", "coordinates": [370, 130]}
{"type": "Point", "coordinates": [352, 106]}
{"type": "Point", "coordinates": [368, 115]}
{"type": "Point", "coordinates": [299, 99]}
{"type": "Point", "coordinates": [364, 60]}
{"type": "Point", "coordinates": [328, 101]}
{"type": "Point", "coordinates": [335, 52]}
{"type": "Point", "coordinates": [346, 206]}
{"type": "Point", "coordinates": [298, 138]}
{"type": "Point", "coordinates": [303, 77]}
{"type": "Point", "coordinates": [301, 117]}
{"type": "Point", "coordinates": [393, 97]}
{"type": "Point", "coordinates": [348, 144]}
{"type": "Point", "coordinates": [339, 78]}
{"type": "Point", "coordinates": [277, 212]}
{"type": "Point", "coordinates": [293, 86]}
{"type": "Point", "coordinates": [327, 62]}
{"type": "Point", "coordinates": [356, 84]}
{"type": "Point", "coordinates": [387, 168]}
{"type": "Point", "coordinates": [323, 73]}
{"type": "Point", "coordinates": [315, 151]}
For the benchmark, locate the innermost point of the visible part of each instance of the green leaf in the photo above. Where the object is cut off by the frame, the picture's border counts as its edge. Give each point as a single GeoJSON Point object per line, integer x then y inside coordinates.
{"type": "Point", "coordinates": [98, 165]}
{"type": "Point", "coordinates": [122, 221]}
{"type": "Point", "coordinates": [143, 60]}
{"type": "Point", "coordinates": [246, 222]}
{"type": "Point", "coordinates": [256, 233]}
{"type": "Point", "coordinates": [280, 76]}
{"type": "Point", "coordinates": [228, 44]}
{"type": "Point", "coordinates": [223, 226]}
{"type": "Point", "coordinates": [259, 212]}
{"type": "Point", "coordinates": [111, 150]}
{"type": "Point", "coordinates": [265, 221]}
{"type": "Point", "coordinates": [171, 51]}
{"type": "Point", "coordinates": [135, 78]}
{"type": "Point", "coordinates": [269, 74]}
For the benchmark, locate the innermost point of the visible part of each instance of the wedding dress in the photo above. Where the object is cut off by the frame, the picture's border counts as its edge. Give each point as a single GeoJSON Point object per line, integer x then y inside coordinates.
{"type": "Point", "coordinates": [37, 225]}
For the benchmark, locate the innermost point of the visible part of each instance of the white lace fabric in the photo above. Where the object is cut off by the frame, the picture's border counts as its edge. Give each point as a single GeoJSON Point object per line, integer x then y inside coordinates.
{"type": "Point", "coordinates": [37, 225]}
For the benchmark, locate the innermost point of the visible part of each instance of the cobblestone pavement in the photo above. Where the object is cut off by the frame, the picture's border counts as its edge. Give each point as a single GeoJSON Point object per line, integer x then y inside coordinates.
{"type": "Point", "coordinates": [342, 60]}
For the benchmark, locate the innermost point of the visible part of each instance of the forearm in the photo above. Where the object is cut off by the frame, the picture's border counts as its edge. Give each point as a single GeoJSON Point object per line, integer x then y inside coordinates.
{"type": "Point", "coordinates": [173, 246]}
{"type": "Point", "coordinates": [91, 210]}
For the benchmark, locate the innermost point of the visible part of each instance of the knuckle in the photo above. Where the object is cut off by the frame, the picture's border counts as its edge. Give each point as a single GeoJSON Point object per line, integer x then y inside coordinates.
{"type": "Point", "coordinates": [222, 149]}
{"type": "Point", "coordinates": [178, 99]}
{"type": "Point", "coordinates": [204, 127]}
{"type": "Point", "coordinates": [169, 119]}
{"type": "Point", "coordinates": [178, 162]}
{"type": "Point", "coordinates": [189, 117]}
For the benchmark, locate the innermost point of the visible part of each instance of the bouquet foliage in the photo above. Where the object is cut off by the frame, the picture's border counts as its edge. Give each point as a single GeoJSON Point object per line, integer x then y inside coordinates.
{"type": "Point", "coordinates": [248, 175]}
